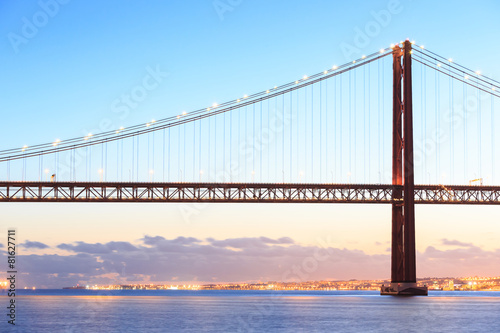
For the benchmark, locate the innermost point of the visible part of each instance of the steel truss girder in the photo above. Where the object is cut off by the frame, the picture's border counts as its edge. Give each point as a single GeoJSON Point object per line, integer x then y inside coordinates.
{"type": "Point", "coordinates": [243, 193]}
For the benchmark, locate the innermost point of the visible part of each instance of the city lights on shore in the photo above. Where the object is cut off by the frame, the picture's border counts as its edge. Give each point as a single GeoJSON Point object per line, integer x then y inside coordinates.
{"type": "Point", "coordinates": [441, 284]}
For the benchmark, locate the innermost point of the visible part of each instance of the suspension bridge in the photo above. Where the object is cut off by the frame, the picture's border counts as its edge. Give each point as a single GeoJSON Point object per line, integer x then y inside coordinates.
{"type": "Point", "coordinates": [362, 132]}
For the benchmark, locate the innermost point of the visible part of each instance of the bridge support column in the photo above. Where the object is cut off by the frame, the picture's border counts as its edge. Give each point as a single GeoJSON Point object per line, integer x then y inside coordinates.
{"type": "Point", "coordinates": [403, 262]}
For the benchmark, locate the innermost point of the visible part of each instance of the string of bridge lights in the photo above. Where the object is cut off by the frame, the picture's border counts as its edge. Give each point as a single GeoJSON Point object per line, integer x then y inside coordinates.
{"type": "Point", "coordinates": [467, 79]}
{"type": "Point", "coordinates": [463, 74]}
{"type": "Point", "coordinates": [474, 78]}
{"type": "Point", "coordinates": [90, 139]}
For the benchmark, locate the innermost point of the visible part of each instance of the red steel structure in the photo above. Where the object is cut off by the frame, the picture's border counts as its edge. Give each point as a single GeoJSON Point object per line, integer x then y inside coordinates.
{"type": "Point", "coordinates": [122, 192]}
{"type": "Point", "coordinates": [403, 269]}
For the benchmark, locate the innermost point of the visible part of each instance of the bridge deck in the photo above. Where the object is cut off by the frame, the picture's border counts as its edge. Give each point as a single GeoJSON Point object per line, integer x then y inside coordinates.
{"type": "Point", "coordinates": [240, 192]}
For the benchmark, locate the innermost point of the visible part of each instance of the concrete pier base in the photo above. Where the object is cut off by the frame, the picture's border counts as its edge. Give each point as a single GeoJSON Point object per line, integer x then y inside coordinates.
{"type": "Point", "coordinates": [403, 289]}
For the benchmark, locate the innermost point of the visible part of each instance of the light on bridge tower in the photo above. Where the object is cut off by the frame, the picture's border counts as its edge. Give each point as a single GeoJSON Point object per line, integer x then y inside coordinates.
{"type": "Point", "coordinates": [403, 263]}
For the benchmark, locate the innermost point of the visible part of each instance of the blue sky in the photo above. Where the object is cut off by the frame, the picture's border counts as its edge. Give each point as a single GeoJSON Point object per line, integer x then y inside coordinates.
{"type": "Point", "coordinates": [62, 79]}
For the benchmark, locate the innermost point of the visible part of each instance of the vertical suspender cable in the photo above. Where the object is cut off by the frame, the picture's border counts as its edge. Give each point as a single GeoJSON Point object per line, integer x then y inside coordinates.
{"type": "Point", "coordinates": [269, 148]}
{"type": "Point", "coordinates": [379, 127]}
{"type": "Point", "coordinates": [137, 160]}
{"type": "Point", "coordinates": [199, 148]}
{"type": "Point", "coordinates": [426, 164]}
{"type": "Point", "coordinates": [153, 158]}
{"type": "Point", "coordinates": [277, 143]}
{"type": "Point", "coordinates": [133, 157]}
{"type": "Point", "coordinates": [90, 161]}
{"type": "Point", "coordinates": [163, 156]}
{"type": "Point", "coordinates": [184, 143]}
{"type": "Point", "coordinates": [291, 141]}
{"type": "Point", "coordinates": [106, 162]}
{"type": "Point", "coordinates": [283, 143]}
{"type": "Point", "coordinates": [479, 134]}
{"type": "Point", "coordinates": [350, 128]}
{"type": "Point", "coordinates": [86, 163]}
{"type": "Point", "coordinates": [452, 133]}
{"type": "Point", "coordinates": [341, 125]}
{"type": "Point", "coordinates": [179, 170]}
{"type": "Point", "coordinates": [169, 160]}
{"type": "Point", "coordinates": [297, 140]}
{"type": "Point", "coordinates": [245, 142]}
{"type": "Point", "coordinates": [118, 160]}
{"type": "Point", "coordinates": [209, 150]}
{"type": "Point", "coordinates": [102, 157]}
{"type": "Point", "coordinates": [194, 150]}
{"type": "Point", "coordinates": [327, 130]}
{"type": "Point", "coordinates": [383, 117]}
{"type": "Point", "coordinates": [364, 126]}
{"type": "Point", "coordinates": [355, 138]}
{"type": "Point", "coordinates": [465, 130]}
{"type": "Point", "coordinates": [260, 144]}
{"type": "Point", "coordinates": [253, 142]}
{"type": "Point", "coordinates": [369, 121]}
{"type": "Point", "coordinates": [436, 99]}
{"type": "Point", "coordinates": [320, 132]}
{"type": "Point", "coordinates": [312, 133]}
{"type": "Point", "coordinates": [334, 173]}
{"type": "Point", "coordinates": [305, 134]}
{"type": "Point", "coordinates": [215, 148]}
{"type": "Point", "coordinates": [231, 144]}
{"type": "Point", "coordinates": [492, 140]}
{"type": "Point", "coordinates": [121, 157]}
{"type": "Point", "coordinates": [224, 150]}
{"type": "Point", "coordinates": [149, 166]}
{"type": "Point", "coordinates": [422, 123]}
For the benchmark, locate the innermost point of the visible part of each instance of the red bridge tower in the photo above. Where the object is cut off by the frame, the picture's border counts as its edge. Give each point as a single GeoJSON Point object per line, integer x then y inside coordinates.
{"type": "Point", "coordinates": [403, 270]}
